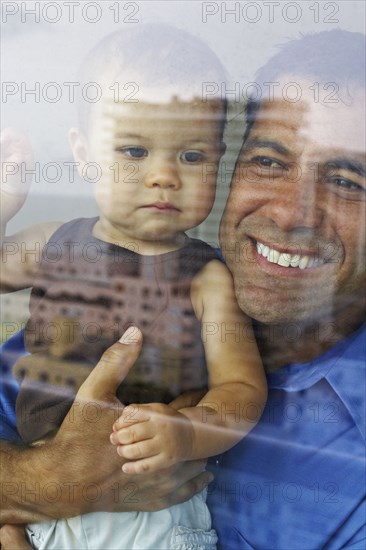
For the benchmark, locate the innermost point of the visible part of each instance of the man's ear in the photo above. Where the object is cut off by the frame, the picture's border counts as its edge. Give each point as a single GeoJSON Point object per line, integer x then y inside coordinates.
{"type": "Point", "coordinates": [79, 147]}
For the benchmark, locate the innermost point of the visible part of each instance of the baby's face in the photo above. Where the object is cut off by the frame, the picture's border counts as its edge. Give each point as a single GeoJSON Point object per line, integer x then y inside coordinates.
{"type": "Point", "coordinates": [159, 166]}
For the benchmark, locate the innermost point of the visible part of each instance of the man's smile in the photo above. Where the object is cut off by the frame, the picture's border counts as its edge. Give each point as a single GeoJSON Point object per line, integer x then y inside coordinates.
{"type": "Point", "coordinates": [286, 259]}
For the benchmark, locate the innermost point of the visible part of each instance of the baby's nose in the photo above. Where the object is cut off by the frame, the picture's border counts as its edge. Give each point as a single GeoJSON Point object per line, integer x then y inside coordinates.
{"type": "Point", "coordinates": [164, 175]}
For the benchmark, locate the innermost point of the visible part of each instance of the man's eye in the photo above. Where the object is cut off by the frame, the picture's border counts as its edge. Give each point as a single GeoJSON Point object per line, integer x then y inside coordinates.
{"type": "Point", "coordinates": [192, 157]}
{"type": "Point", "coordinates": [345, 185]}
{"type": "Point", "coordinates": [267, 162]}
{"type": "Point", "coordinates": [133, 152]}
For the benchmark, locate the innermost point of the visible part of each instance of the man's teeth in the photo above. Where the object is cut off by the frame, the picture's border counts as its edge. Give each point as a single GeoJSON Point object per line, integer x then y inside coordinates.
{"type": "Point", "coordinates": [287, 260]}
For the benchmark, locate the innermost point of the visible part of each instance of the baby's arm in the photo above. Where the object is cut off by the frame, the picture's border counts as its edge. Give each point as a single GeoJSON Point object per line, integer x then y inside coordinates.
{"type": "Point", "coordinates": [16, 166]}
{"type": "Point", "coordinates": [155, 435]}
{"type": "Point", "coordinates": [20, 253]}
{"type": "Point", "coordinates": [237, 384]}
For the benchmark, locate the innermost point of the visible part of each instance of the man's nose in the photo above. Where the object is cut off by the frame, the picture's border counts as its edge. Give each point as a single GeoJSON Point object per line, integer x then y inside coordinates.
{"type": "Point", "coordinates": [163, 173]}
{"type": "Point", "coordinates": [296, 204]}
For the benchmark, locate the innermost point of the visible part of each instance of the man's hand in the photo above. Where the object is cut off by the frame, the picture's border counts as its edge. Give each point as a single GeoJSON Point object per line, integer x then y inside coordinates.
{"type": "Point", "coordinates": [81, 466]}
{"type": "Point", "coordinates": [152, 437]}
{"type": "Point", "coordinates": [12, 537]}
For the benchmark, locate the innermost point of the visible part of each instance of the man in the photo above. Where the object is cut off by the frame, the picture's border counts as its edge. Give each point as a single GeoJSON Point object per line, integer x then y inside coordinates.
{"type": "Point", "coordinates": [293, 235]}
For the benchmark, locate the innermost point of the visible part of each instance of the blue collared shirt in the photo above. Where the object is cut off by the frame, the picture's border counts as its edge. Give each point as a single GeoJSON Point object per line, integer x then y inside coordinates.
{"type": "Point", "coordinates": [297, 481]}
{"type": "Point", "coordinates": [9, 354]}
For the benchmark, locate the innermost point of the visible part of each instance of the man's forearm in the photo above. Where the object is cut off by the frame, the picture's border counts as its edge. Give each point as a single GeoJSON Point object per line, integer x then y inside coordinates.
{"type": "Point", "coordinates": [25, 492]}
{"type": "Point", "coordinates": [58, 480]}
{"type": "Point", "coordinates": [37, 487]}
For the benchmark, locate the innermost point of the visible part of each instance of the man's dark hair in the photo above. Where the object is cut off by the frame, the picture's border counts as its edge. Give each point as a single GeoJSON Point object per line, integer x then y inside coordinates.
{"type": "Point", "coordinates": [330, 57]}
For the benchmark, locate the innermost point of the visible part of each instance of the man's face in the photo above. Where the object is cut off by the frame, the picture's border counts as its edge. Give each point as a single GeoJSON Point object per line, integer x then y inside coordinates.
{"type": "Point", "coordinates": [293, 231]}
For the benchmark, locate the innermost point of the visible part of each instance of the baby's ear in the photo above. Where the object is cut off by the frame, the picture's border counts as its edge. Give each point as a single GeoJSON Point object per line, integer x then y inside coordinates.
{"type": "Point", "coordinates": [79, 147]}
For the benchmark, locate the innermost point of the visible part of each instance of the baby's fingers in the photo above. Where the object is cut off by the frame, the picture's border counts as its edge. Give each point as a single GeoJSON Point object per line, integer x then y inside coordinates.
{"type": "Point", "coordinates": [131, 415]}
{"type": "Point", "coordinates": [139, 450]}
{"type": "Point", "coordinates": [133, 433]}
{"type": "Point", "coordinates": [146, 465]}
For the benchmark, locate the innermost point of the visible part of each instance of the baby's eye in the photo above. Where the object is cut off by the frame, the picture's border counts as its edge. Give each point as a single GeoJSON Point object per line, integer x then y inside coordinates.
{"type": "Point", "coordinates": [134, 152]}
{"type": "Point", "coordinates": [192, 157]}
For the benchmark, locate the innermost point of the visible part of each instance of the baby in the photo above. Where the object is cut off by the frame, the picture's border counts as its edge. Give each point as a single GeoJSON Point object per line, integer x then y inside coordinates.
{"type": "Point", "coordinates": [158, 152]}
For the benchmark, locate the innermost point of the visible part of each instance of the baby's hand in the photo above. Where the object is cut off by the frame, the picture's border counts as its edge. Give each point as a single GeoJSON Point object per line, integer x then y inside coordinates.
{"type": "Point", "coordinates": [16, 159]}
{"type": "Point", "coordinates": [152, 437]}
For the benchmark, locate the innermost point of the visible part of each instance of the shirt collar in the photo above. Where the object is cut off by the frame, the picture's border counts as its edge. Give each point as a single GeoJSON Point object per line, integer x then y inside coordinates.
{"type": "Point", "coordinates": [343, 366]}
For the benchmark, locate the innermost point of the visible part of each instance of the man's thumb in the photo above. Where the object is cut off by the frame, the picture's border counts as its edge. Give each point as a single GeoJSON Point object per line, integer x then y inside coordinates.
{"type": "Point", "coordinates": [113, 367]}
